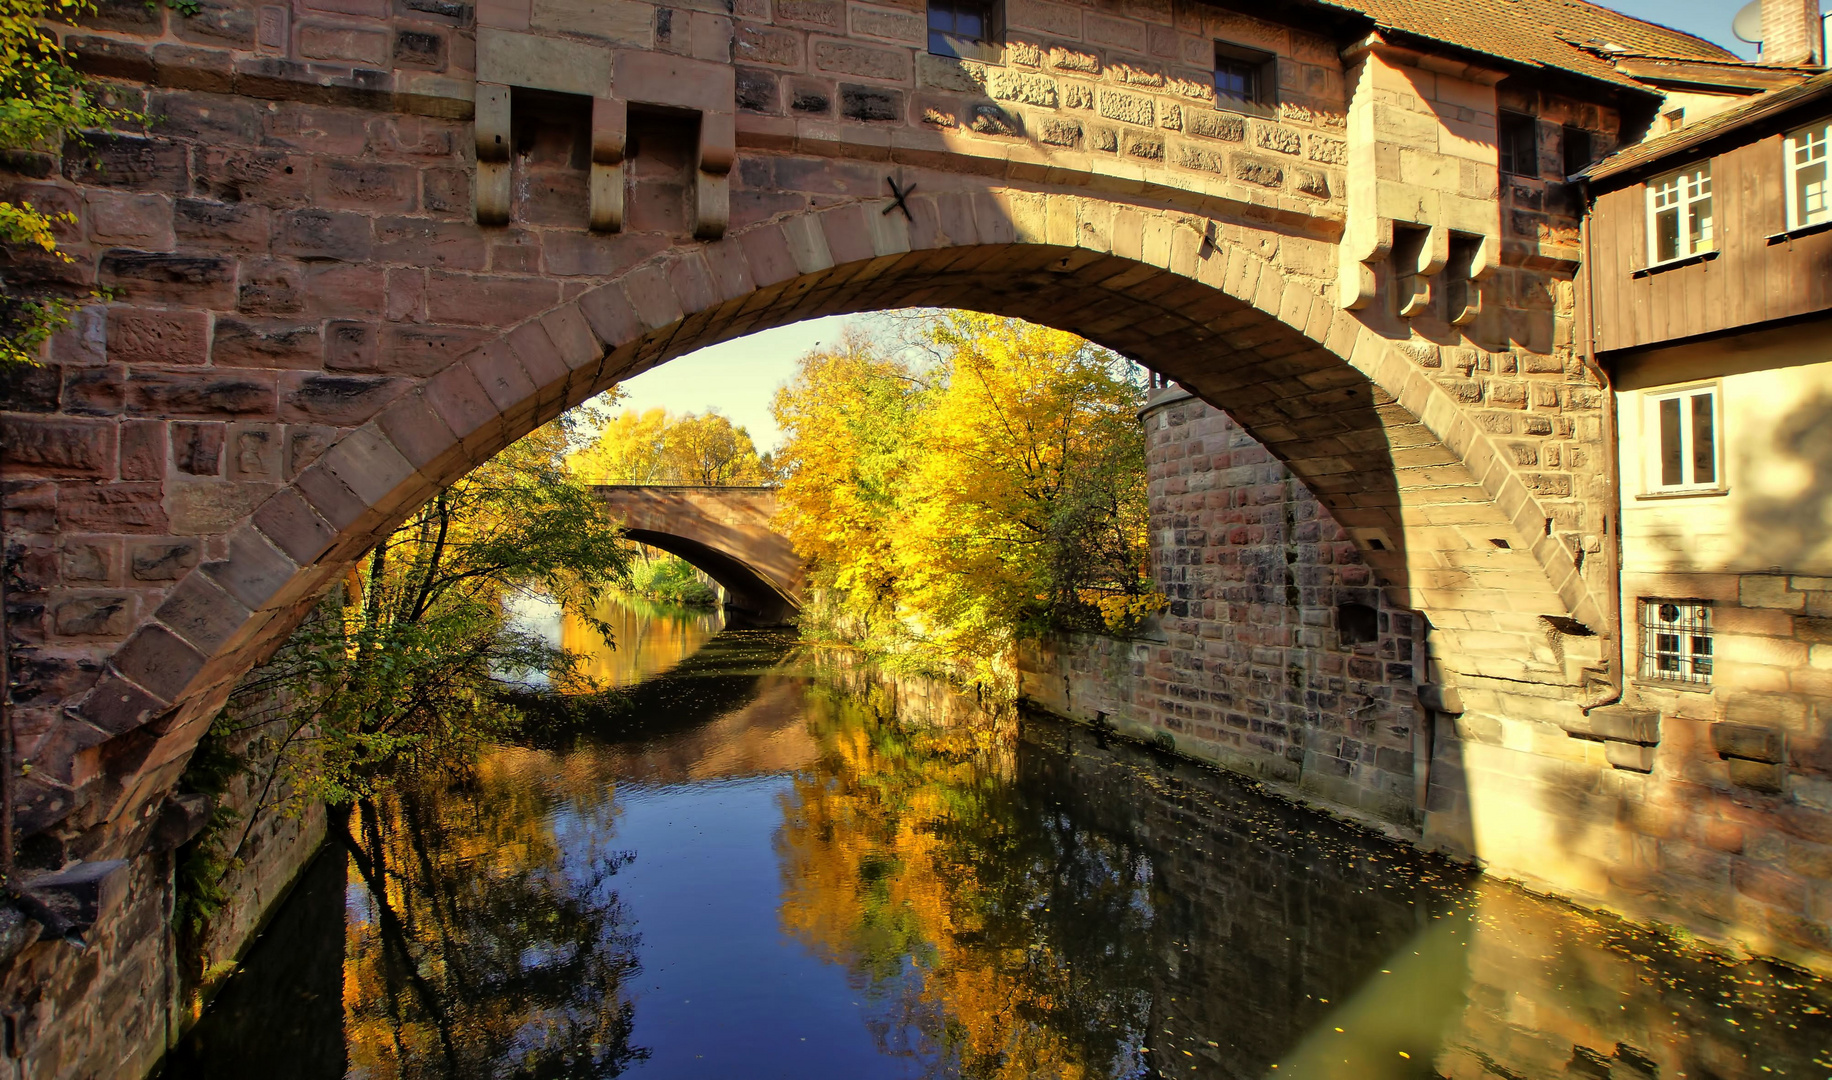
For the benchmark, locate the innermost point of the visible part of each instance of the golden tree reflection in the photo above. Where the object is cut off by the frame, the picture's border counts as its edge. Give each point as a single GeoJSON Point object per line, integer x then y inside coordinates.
{"type": "Point", "coordinates": [649, 639]}
{"type": "Point", "coordinates": [992, 938]}
{"type": "Point", "coordinates": [480, 944]}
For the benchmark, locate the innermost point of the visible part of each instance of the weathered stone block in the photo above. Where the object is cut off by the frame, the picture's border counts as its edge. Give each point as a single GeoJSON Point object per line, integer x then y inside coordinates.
{"type": "Point", "coordinates": [75, 899]}
{"type": "Point", "coordinates": [197, 448]}
{"type": "Point", "coordinates": [193, 280]}
{"type": "Point", "coordinates": [202, 394]}
{"type": "Point", "coordinates": [1747, 741]}
{"type": "Point", "coordinates": [91, 615]}
{"type": "Point", "coordinates": [1226, 127]}
{"type": "Point", "coordinates": [1758, 775]}
{"type": "Point", "coordinates": [61, 446]}
{"type": "Point", "coordinates": [241, 343]}
{"type": "Point", "coordinates": [336, 400]}
{"type": "Point", "coordinates": [220, 226]}
{"type": "Point", "coordinates": [1024, 88]}
{"type": "Point", "coordinates": [142, 336]}
{"type": "Point", "coordinates": [111, 159]}
{"type": "Point", "coordinates": [875, 103]}
{"type": "Point", "coordinates": [866, 61]}
{"type": "Point", "coordinates": [1129, 108]}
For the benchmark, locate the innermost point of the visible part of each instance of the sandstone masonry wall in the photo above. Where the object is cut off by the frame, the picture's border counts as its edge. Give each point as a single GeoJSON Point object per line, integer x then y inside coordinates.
{"type": "Point", "coordinates": [1278, 655]}
{"type": "Point", "coordinates": [1713, 812]}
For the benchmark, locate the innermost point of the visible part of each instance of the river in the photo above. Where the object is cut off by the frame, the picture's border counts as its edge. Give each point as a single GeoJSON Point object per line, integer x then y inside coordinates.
{"type": "Point", "coordinates": [759, 859]}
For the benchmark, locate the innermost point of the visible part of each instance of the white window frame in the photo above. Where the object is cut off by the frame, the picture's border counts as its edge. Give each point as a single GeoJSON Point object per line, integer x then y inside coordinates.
{"type": "Point", "coordinates": [1652, 453]}
{"type": "Point", "coordinates": [1682, 191]}
{"type": "Point", "coordinates": [1806, 148]}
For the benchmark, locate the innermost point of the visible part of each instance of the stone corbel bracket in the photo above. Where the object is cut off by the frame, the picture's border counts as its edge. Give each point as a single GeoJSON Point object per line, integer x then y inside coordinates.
{"type": "Point", "coordinates": [1422, 189]}
{"type": "Point", "coordinates": [1628, 734]}
{"type": "Point", "coordinates": [614, 79]}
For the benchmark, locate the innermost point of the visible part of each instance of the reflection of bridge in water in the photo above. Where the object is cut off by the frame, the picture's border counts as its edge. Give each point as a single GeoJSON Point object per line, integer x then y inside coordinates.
{"type": "Point", "coordinates": [725, 531]}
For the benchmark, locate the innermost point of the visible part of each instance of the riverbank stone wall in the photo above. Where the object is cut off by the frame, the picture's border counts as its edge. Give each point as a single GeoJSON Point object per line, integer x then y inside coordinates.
{"type": "Point", "coordinates": [1707, 822]}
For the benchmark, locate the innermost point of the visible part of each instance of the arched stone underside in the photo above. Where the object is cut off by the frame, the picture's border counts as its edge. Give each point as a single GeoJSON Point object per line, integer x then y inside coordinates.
{"type": "Point", "coordinates": [750, 596]}
{"type": "Point", "coordinates": [724, 531]}
{"type": "Point", "coordinates": [1452, 527]}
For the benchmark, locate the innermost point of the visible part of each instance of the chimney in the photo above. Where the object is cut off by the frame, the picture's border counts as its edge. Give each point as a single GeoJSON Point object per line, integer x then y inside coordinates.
{"type": "Point", "coordinates": [1791, 32]}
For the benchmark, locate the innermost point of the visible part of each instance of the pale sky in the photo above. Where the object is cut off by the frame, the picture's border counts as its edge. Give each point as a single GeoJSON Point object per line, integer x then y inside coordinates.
{"type": "Point", "coordinates": [739, 377]}
{"type": "Point", "coordinates": [736, 377]}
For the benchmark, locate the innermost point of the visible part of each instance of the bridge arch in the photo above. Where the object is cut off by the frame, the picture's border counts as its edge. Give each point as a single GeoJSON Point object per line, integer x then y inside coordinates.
{"type": "Point", "coordinates": [1244, 316]}
{"type": "Point", "coordinates": [725, 532]}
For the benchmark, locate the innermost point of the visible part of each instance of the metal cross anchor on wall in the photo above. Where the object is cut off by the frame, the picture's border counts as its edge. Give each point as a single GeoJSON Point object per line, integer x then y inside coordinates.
{"type": "Point", "coordinates": [899, 195]}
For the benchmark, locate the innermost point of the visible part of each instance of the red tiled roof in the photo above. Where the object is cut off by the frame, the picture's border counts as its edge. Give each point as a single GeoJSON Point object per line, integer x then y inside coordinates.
{"type": "Point", "coordinates": [1814, 92]}
{"type": "Point", "coordinates": [1564, 35]}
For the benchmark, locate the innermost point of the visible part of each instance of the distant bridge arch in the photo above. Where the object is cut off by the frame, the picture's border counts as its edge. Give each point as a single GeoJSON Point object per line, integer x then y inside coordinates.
{"type": "Point", "coordinates": [724, 531]}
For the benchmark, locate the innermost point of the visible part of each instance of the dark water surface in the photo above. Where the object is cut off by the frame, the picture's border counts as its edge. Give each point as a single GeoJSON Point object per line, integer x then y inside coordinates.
{"type": "Point", "coordinates": [750, 865]}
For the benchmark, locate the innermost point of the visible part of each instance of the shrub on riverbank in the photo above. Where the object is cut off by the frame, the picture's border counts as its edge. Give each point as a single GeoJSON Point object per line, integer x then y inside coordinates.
{"type": "Point", "coordinates": [409, 662]}
{"type": "Point", "coordinates": [670, 579]}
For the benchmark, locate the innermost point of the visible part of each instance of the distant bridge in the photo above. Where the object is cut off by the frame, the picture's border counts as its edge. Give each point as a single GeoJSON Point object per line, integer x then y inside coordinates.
{"type": "Point", "coordinates": [724, 531]}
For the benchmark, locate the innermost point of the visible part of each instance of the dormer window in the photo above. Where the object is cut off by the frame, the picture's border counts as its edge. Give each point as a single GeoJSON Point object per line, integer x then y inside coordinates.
{"type": "Point", "coordinates": [1809, 200]}
{"type": "Point", "coordinates": [1679, 215]}
{"type": "Point", "coordinates": [1244, 75]}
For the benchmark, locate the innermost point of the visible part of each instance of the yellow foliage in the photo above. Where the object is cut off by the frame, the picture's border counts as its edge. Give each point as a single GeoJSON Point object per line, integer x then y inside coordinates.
{"type": "Point", "coordinates": [655, 447]}
{"type": "Point", "coordinates": [987, 495]}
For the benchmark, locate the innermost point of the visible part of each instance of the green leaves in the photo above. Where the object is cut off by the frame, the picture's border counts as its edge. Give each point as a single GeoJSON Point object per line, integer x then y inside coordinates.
{"type": "Point", "coordinates": [41, 98]}
{"type": "Point", "coordinates": [415, 663]}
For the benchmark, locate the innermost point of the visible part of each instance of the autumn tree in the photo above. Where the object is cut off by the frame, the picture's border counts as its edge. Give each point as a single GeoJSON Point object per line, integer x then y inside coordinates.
{"type": "Point", "coordinates": [415, 661]}
{"type": "Point", "coordinates": [985, 484]}
{"type": "Point", "coordinates": [848, 415]}
{"type": "Point", "coordinates": [656, 447]}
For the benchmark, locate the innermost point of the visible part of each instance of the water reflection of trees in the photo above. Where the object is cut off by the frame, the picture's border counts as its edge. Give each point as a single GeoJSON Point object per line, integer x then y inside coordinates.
{"type": "Point", "coordinates": [992, 938]}
{"type": "Point", "coordinates": [479, 946]}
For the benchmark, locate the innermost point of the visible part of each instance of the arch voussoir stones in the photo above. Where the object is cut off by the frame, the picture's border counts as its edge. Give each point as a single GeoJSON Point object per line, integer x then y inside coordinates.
{"type": "Point", "coordinates": [1402, 464]}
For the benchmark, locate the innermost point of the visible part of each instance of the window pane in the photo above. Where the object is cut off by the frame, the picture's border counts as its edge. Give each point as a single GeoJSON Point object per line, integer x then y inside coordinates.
{"type": "Point", "coordinates": [1672, 465]}
{"type": "Point", "coordinates": [1234, 80]}
{"type": "Point", "coordinates": [1700, 232]}
{"type": "Point", "coordinates": [1666, 235]}
{"type": "Point", "coordinates": [1704, 441]}
{"type": "Point", "coordinates": [968, 24]}
{"type": "Point", "coordinates": [1576, 147]}
{"type": "Point", "coordinates": [941, 17]}
{"type": "Point", "coordinates": [1810, 202]}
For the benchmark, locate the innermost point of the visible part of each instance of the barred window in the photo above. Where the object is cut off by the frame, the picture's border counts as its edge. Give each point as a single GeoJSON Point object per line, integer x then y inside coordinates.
{"type": "Point", "coordinates": [1676, 641]}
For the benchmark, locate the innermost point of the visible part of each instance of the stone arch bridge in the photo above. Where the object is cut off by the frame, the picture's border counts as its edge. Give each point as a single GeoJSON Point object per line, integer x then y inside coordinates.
{"type": "Point", "coordinates": [359, 248]}
{"type": "Point", "coordinates": [724, 531]}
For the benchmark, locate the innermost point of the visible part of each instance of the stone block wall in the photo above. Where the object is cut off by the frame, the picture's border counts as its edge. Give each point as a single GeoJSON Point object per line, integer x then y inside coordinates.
{"type": "Point", "coordinates": [1130, 86]}
{"type": "Point", "coordinates": [1279, 656]}
{"type": "Point", "coordinates": [1705, 808]}
{"type": "Point", "coordinates": [112, 1007]}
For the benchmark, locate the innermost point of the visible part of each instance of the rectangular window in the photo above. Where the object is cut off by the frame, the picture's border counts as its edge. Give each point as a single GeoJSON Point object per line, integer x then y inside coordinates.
{"type": "Point", "coordinates": [963, 28]}
{"type": "Point", "coordinates": [1518, 136]}
{"type": "Point", "coordinates": [1685, 439]}
{"type": "Point", "coordinates": [1679, 215]}
{"type": "Point", "coordinates": [1808, 200]}
{"type": "Point", "coordinates": [1676, 641]}
{"type": "Point", "coordinates": [1576, 147]}
{"type": "Point", "coordinates": [1243, 74]}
